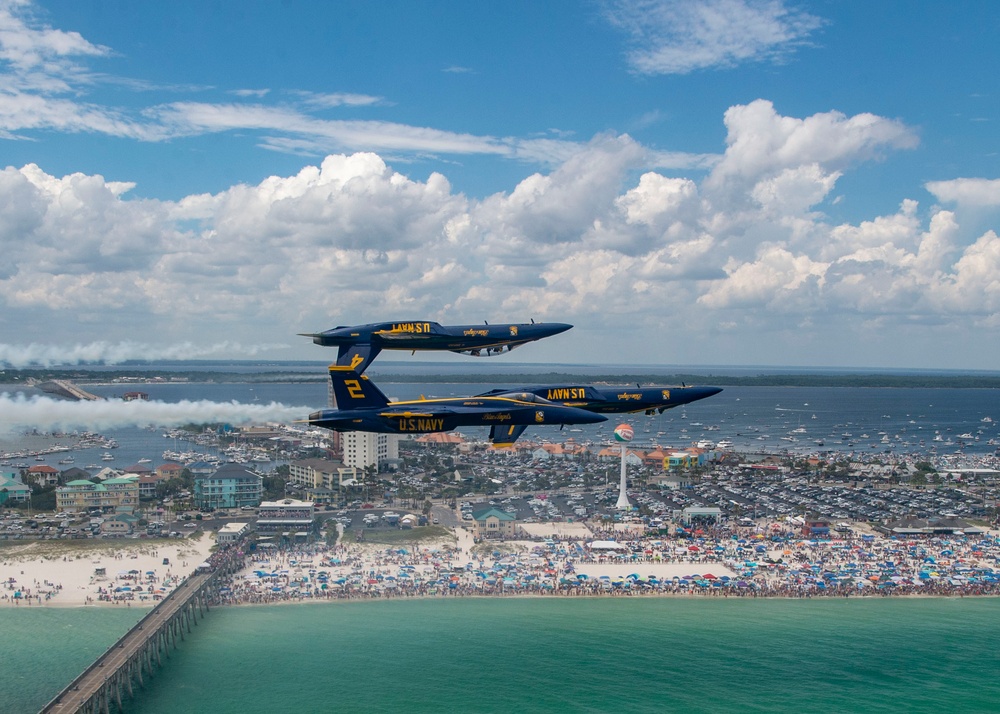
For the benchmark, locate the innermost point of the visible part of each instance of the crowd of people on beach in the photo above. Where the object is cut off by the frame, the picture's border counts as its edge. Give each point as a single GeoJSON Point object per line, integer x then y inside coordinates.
{"type": "Point", "coordinates": [17, 593]}
{"type": "Point", "coordinates": [714, 562]}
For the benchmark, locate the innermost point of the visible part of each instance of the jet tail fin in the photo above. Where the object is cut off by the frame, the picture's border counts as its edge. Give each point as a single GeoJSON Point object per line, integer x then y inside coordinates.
{"type": "Point", "coordinates": [501, 436]}
{"type": "Point", "coordinates": [353, 390]}
{"type": "Point", "coordinates": [357, 356]}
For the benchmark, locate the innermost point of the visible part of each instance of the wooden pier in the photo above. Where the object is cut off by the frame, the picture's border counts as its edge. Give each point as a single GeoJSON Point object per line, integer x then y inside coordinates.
{"type": "Point", "coordinates": [112, 678]}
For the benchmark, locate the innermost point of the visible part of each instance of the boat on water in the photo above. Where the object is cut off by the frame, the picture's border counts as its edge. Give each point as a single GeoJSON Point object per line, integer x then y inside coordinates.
{"type": "Point", "coordinates": [107, 456]}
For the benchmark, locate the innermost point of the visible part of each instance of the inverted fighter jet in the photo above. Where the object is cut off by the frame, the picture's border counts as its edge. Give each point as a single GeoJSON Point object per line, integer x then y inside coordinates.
{"type": "Point", "coordinates": [360, 344]}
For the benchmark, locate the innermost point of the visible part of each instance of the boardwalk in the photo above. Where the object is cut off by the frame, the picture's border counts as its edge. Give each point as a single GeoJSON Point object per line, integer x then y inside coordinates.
{"type": "Point", "coordinates": [138, 651]}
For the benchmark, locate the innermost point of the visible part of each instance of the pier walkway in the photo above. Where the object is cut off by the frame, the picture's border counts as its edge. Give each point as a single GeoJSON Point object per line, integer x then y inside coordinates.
{"type": "Point", "coordinates": [140, 650]}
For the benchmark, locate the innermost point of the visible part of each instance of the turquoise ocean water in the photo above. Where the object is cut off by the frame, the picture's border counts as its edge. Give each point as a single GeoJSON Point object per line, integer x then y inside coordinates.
{"type": "Point", "coordinates": [42, 649]}
{"type": "Point", "coordinates": [543, 655]}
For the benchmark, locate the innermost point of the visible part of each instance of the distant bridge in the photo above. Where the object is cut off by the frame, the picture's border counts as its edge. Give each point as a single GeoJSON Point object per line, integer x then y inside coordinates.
{"type": "Point", "coordinates": [67, 389]}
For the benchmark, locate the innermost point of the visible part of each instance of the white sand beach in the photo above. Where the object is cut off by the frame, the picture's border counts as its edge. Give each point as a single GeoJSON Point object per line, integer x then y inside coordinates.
{"type": "Point", "coordinates": [67, 574]}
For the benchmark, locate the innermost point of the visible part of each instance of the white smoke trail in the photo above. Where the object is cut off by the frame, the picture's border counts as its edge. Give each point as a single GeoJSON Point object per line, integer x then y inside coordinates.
{"type": "Point", "coordinates": [35, 355]}
{"type": "Point", "coordinates": [18, 412]}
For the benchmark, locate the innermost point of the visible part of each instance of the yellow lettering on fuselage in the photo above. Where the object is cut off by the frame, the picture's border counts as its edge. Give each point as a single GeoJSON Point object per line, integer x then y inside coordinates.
{"type": "Point", "coordinates": [476, 333]}
{"type": "Point", "coordinates": [564, 393]}
{"type": "Point", "coordinates": [497, 416]}
{"type": "Point", "coordinates": [415, 327]}
{"type": "Point", "coordinates": [419, 424]}
{"type": "Point", "coordinates": [625, 396]}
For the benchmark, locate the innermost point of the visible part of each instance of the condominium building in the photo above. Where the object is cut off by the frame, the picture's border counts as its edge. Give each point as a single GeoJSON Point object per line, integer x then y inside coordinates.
{"type": "Point", "coordinates": [114, 494]}
{"type": "Point", "coordinates": [230, 486]}
{"type": "Point", "coordinates": [363, 449]}
{"type": "Point", "coordinates": [322, 473]}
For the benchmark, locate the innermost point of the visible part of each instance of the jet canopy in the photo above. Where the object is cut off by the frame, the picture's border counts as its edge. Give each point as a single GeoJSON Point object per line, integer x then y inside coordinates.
{"type": "Point", "coordinates": [525, 397]}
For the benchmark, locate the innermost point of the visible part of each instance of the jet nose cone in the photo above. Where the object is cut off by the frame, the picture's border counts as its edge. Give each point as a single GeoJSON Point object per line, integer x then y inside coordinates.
{"type": "Point", "coordinates": [697, 393]}
{"type": "Point", "coordinates": [590, 417]}
{"type": "Point", "coordinates": [557, 327]}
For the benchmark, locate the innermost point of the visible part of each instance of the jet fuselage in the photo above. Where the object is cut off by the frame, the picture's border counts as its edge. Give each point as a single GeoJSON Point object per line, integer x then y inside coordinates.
{"type": "Point", "coordinates": [618, 400]}
{"type": "Point", "coordinates": [360, 344]}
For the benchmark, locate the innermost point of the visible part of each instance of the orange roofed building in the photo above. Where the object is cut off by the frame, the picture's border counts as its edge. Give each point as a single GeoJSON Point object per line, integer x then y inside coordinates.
{"type": "Point", "coordinates": [441, 437]}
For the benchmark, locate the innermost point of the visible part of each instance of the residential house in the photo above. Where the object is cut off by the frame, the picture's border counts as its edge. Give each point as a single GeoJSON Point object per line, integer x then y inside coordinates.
{"type": "Point", "coordinates": [11, 489]}
{"type": "Point", "coordinates": [43, 475]}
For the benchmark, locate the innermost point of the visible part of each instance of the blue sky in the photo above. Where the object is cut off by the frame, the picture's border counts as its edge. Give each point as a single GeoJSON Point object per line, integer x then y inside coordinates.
{"type": "Point", "coordinates": [717, 182]}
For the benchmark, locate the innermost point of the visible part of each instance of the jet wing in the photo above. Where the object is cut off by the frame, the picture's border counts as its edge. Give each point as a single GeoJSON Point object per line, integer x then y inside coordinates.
{"type": "Point", "coordinates": [501, 436]}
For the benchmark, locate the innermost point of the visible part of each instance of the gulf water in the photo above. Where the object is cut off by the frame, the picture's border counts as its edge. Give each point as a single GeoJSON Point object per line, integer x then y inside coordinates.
{"type": "Point", "coordinates": [540, 655]}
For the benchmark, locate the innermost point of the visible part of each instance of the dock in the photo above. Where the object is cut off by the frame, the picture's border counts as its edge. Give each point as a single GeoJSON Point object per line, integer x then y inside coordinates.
{"type": "Point", "coordinates": [112, 678]}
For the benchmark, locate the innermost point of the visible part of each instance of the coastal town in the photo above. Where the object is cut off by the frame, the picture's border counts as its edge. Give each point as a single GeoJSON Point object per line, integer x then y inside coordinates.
{"type": "Point", "coordinates": [452, 518]}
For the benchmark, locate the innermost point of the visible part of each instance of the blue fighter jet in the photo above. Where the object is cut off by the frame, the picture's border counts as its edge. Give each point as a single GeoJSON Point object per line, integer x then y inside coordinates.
{"type": "Point", "coordinates": [610, 400]}
{"type": "Point", "coordinates": [360, 344]}
{"type": "Point", "coordinates": [361, 406]}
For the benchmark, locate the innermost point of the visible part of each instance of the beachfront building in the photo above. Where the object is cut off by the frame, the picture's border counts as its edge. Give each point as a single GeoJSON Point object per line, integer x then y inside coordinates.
{"type": "Point", "coordinates": [363, 449]}
{"type": "Point", "coordinates": [287, 515]}
{"type": "Point", "coordinates": [229, 486]}
{"type": "Point", "coordinates": [116, 494]}
{"type": "Point", "coordinates": [494, 523]}
{"type": "Point", "coordinates": [322, 473]}
{"type": "Point", "coordinates": [934, 526]}
{"type": "Point", "coordinates": [120, 524]}
{"type": "Point", "coordinates": [232, 533]}
{"type": "Point", "coordinates": [699, 514]}
{"type": "Point", "coordinates": [12, 490]}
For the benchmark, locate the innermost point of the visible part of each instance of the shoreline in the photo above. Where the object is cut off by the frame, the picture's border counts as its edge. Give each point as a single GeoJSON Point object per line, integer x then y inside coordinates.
{"type": "Point", "coordinates": [55, 574]}
{"type": "Point", "coordinates": [723, 563]}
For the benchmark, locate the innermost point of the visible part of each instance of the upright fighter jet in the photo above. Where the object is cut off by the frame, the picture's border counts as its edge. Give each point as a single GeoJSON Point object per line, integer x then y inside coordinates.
{"type": "Point", "coordinates": [363, 407]}
{"type": "Point", "coordinates": [360, 344]}
{"type": "Point", "coordinates": [606, 400]}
